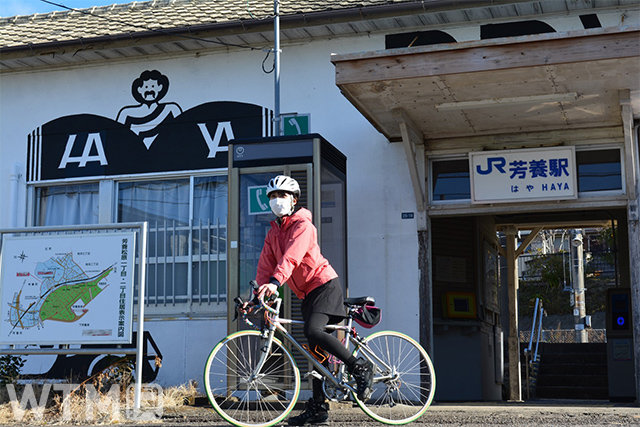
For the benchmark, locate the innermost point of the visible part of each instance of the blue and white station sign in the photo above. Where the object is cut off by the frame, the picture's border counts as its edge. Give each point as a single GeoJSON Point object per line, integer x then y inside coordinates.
{"type": "Point", "coordinates": [523, 175]}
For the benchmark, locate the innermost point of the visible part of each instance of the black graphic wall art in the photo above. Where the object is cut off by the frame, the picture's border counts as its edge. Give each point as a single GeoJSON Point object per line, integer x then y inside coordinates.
{"type": "Point", "coordinates": [151, 136]}
{"type": "Point", "coordinates": [145, 118]}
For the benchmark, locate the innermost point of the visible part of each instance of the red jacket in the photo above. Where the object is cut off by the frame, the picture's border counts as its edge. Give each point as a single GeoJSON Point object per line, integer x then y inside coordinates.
{"type": "Point", "coordinates": [291, 254]}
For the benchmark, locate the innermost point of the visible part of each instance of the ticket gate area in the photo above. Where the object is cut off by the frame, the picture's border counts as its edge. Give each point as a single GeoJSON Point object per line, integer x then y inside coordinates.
{"type": "Point", "coordinates": [620, 346]}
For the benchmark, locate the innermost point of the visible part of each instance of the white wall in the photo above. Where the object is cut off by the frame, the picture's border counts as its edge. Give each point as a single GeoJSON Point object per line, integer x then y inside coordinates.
{"type": "Point", "coordinates": [185, 346]}
{"type": "Point", "coordinates": [383, 248]}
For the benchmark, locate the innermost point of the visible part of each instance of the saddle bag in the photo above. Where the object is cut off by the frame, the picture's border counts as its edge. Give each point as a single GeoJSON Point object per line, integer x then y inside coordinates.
{"type": "Point", "coordinates": [368, 316]}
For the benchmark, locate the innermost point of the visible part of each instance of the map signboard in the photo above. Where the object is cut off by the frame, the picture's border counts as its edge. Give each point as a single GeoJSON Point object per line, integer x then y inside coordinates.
{"type": "Point", "coordinates": [67, 289]}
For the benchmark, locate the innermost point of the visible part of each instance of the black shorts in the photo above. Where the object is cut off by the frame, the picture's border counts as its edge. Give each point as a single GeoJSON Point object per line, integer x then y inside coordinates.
{"type": "Point", "coordinates": [327, 299]}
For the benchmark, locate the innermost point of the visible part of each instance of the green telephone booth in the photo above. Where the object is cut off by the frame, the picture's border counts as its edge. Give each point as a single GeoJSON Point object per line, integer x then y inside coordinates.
{"type": "Point", "coordinates": [320, 169]}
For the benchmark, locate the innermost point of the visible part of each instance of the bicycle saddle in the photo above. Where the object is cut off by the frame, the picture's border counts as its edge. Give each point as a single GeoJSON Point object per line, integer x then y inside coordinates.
{"type": "Point", "coordinates": [360, 301]}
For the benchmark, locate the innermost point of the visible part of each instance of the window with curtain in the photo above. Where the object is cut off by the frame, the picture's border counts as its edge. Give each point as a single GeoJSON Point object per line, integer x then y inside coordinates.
{"type": "Point", "coordinates": [187, 217]}
{"type": "Point", "coordinates": [187, 238]}
{"type": "Point", "coordinates": [67, 205]}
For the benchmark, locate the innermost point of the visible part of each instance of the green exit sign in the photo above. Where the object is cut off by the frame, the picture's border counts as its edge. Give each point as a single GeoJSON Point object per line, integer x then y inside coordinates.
{"type": "Point", "coordinates": [295, 124]}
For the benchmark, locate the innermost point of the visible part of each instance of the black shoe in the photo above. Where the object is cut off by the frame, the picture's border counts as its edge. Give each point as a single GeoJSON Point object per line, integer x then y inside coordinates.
{"type": "Point", "coordinates": [362, 371]}
{"type": "Point", "coordinates": [314, 413]}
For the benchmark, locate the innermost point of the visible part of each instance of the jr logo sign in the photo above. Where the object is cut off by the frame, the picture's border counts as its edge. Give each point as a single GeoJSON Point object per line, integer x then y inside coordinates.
{"type": "Point", "coordinates": [526, 175]}
{"type": "Point", "coordinates": [150, 136]}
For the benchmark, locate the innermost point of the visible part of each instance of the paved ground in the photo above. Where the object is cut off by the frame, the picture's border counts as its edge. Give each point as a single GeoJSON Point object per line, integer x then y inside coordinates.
{"type": "Point", "coordinates": [530, 414]}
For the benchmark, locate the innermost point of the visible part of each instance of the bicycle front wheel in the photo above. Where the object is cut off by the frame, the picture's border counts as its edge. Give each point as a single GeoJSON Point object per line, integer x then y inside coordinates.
{"type": "Point", "coordinates": [404, 382]}
{"type": "Point", "coordinates": [242, 395]}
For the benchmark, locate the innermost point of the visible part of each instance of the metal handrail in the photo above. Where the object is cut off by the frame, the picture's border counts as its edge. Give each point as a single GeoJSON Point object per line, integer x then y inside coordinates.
{"type": "Point", "coordinates": [537, 317]}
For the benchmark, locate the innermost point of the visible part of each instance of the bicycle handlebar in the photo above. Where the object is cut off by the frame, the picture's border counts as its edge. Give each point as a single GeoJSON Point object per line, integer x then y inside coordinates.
{"type": "Point", "coordinates": [267, 307]}
{"type": "Point", "coordinates": [261, 303]}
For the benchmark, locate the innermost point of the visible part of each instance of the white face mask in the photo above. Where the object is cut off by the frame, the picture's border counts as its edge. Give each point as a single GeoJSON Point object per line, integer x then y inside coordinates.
{"type": "Point", "coordinates": [281, 207]}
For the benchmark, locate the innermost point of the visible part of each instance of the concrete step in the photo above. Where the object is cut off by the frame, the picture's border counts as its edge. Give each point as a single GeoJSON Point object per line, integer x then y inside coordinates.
{"type": "Point", "coordinates": [573, 371]}
{"type": "Point", "coordinates": [560, 392]}
{"type": "Point", "coordinates": [567, 348]}
{"type": "Point", "coordinates": [573, 381]}
{"type": "Point", "coordinates": [573, 359]}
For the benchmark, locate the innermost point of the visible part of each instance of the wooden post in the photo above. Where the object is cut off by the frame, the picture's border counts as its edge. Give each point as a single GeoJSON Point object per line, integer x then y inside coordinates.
{"type": "Point", "coordinates": [634, 261]}
{"type": "Point", "coordinates": [632, 175]}
{"type": "Point", "coordinates": [515, 389]}
{"type": "Point", "coordinates": [633, 217]}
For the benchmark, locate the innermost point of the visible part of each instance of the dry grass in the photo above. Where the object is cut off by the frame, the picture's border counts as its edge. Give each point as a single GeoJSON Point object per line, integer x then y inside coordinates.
{"type": "Point", "coordinates": [88, 404]}
{"type": "Point", "coordinates": [175, 397]}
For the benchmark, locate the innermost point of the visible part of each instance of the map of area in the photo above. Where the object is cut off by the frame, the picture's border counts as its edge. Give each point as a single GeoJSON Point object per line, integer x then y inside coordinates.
{"type": "Point", "coordinates": [67, 289]}
{"type": "Point", "coordinates": [63, 285]}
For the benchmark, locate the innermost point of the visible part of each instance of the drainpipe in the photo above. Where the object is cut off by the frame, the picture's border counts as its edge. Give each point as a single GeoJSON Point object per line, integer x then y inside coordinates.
{"type": "Point", "coordinates": [14, 179]}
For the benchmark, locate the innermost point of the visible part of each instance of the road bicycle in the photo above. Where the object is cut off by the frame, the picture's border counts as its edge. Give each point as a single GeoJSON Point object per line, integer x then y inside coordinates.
{"type": "Point", "coordinates": [252, 379]}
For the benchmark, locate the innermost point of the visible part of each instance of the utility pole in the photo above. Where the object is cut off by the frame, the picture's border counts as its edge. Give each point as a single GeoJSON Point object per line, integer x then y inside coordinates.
{"type": "Point", "coordinates": [276, 66]}
{"type": "Point", "coordinates": [577, 274]}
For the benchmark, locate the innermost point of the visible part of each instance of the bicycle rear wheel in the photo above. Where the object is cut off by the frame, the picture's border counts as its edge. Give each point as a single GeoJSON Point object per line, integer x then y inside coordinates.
{"type": "Point", "coordinates": [239, 394]}
{"type": "Point", "coordinates": [404, 382]}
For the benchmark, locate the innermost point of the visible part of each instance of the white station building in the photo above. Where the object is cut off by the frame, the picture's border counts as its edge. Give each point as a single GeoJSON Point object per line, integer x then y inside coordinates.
{"type": "Point", "coordinates": [458, 120]}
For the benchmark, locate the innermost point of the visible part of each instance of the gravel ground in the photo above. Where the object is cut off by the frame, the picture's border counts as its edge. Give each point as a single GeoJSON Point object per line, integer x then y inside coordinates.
{"type": "Point", "coordinates": [537, 413]}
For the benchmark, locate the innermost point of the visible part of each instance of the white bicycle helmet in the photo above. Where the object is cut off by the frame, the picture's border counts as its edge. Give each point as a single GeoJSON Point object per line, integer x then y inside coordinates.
{"type": "Point", "coordinates": [284, 183]}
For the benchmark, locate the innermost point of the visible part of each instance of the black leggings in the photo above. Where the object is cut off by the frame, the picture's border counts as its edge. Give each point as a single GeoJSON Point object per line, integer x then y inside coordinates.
{"type": "Point", "coordinates": [315, 333]}
{"type": "Point", "coordinates": [317, 336]}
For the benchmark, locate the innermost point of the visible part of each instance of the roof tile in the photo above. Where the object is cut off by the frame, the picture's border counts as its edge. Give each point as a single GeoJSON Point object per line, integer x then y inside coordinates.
{"type": "Point", "coordinates": [156, 14]}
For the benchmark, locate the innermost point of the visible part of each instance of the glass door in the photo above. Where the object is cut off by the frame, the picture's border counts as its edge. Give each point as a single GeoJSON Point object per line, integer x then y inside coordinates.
{"type": "Point", "coordinates": [249, 221]}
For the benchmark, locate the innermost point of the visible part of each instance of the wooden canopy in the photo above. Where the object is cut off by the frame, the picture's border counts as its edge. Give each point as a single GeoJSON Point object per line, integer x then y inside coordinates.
{"type": "Point", "coordinates": [518, 84]}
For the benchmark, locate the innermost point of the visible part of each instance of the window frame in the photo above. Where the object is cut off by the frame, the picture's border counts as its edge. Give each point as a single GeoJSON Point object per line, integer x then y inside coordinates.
{"type": "Point", "coordinates": [431, 180]}
{"type": "Point", "coordinates": [188, 305]}
{"type": "Point", "coordinates": [623, 190]}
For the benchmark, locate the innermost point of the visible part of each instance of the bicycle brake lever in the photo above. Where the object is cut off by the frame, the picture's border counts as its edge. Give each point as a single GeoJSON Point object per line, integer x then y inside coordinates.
{"type": "Point", "coordinates": [239, 302]}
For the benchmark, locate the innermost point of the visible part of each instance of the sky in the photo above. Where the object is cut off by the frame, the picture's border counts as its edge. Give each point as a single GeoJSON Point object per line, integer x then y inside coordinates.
{"type": "Point", "coordinates": [29, 7]}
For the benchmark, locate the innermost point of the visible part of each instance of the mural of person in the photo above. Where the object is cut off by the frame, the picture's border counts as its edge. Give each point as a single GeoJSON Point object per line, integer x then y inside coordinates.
{"type": "Point", "coordinates": [144, 119]}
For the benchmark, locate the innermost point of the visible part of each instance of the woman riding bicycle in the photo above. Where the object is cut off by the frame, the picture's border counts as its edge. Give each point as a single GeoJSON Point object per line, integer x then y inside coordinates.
{"type": "Point", "coordinates": [291, 255]}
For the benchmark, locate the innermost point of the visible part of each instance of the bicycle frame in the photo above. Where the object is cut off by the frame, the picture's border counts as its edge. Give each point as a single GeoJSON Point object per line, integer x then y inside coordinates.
{"type": "Point", "coordinates": [253, 380]}
{"type": "Point", "coordinates": [276, 323]}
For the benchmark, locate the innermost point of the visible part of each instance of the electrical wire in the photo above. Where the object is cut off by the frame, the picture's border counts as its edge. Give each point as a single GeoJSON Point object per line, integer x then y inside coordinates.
{"type": "Point", "coordinates": [265, 60]}
{"type": "Point", "coordinates": [85, 12]}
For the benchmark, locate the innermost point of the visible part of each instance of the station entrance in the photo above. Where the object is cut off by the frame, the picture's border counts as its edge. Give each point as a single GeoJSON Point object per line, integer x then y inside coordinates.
{"type": "Point", "coordinates": [486, 314]}
{"type": "Point", "coordinates": [508, 135]}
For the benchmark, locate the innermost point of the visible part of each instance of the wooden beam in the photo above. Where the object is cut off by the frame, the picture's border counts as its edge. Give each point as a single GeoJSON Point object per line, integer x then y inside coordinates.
{"type": "Point", "coordinates": [502, 252]}
{"type": "Point", "coordinates": [632, 172]}
{"type": "Point", "coordinates": [634, 274]}
{"type": "Point", "coordinates": [411, 137]}
{"type": "Point", "coordinates": [486, 55]}
{"type": "Point", "coordinates": [527, 241]}
{"type": "Point", "coordinates": [514, 141]}
{"type": "Point", "coordinates": [513, 342]}
{"type": "Point", "coordinates": [508, 101]}
{"type": "Point", "coordinates": [630, 153]}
